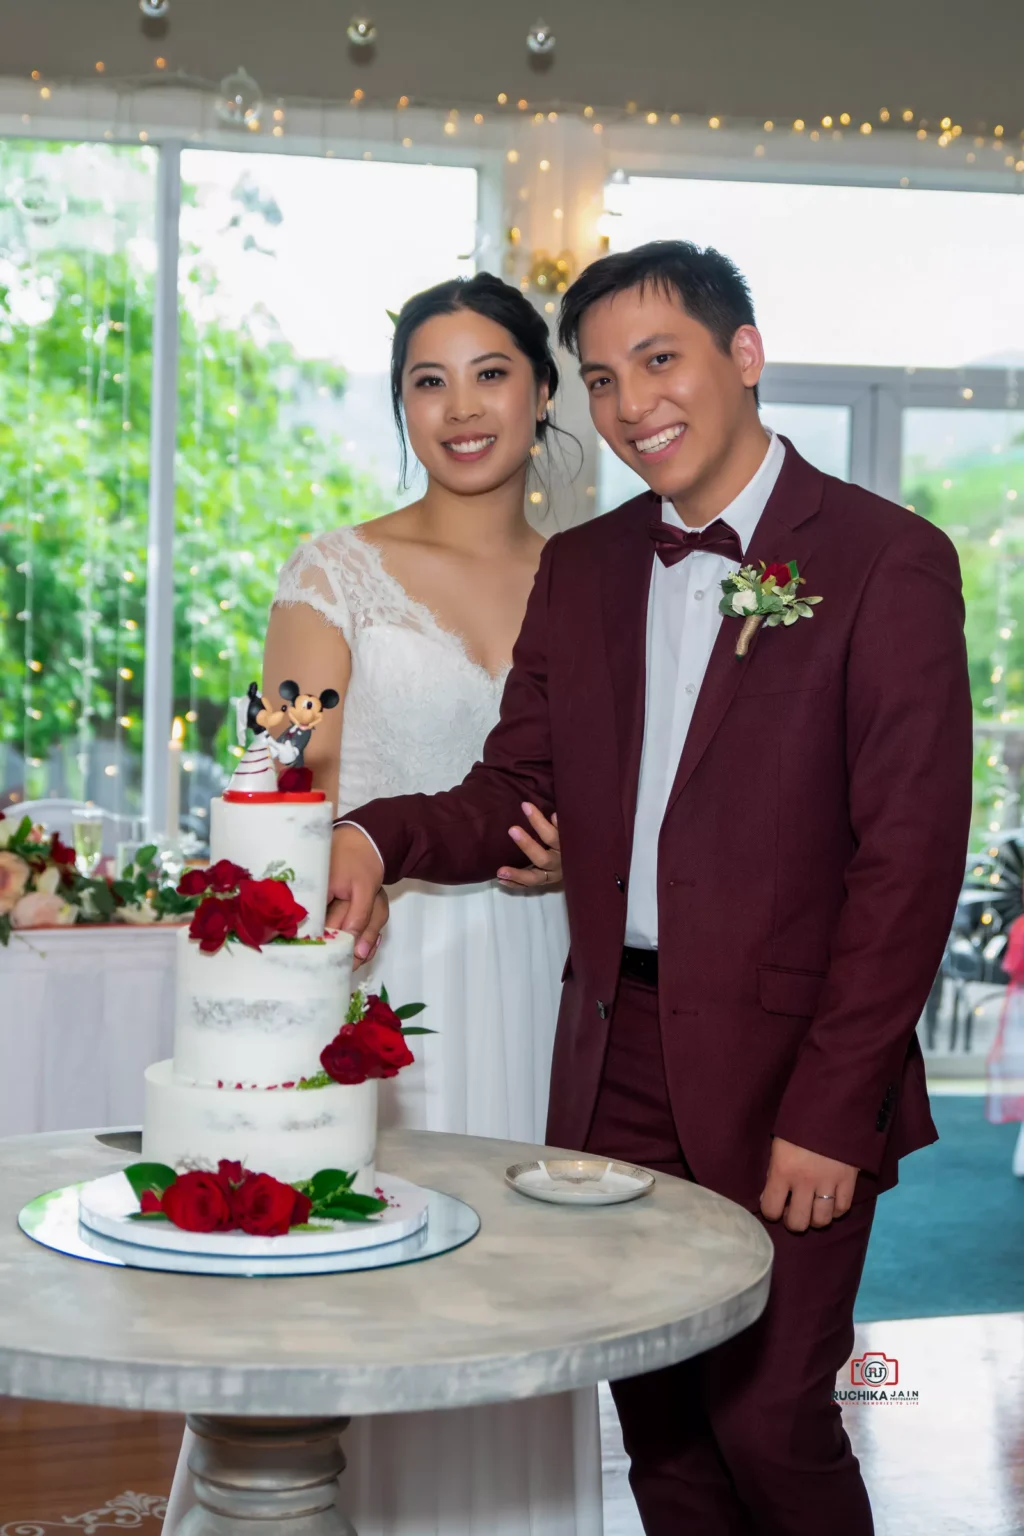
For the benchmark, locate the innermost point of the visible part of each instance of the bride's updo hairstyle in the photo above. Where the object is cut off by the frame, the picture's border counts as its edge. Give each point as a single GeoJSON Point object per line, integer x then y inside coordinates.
{"type": "Point", "coordinates": [485, 295]}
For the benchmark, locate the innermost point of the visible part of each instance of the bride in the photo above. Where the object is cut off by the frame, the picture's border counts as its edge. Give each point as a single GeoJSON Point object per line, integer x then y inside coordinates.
{"type": "Point", "coordinates": [412, 619]}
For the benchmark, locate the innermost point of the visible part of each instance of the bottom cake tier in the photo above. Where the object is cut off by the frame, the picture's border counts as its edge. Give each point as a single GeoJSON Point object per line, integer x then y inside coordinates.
{"type": "Point", "coordinates": [289, 1132]}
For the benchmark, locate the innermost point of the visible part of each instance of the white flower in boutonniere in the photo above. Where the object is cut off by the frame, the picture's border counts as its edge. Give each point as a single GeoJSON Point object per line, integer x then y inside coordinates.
{"type": "Point", "coordinates": [769, 595]}
{"type": "Point", "coordinates": [745, 601]}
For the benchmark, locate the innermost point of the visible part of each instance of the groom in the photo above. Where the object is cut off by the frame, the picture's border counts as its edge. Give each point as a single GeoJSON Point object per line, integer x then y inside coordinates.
{"type": "Point", "coordinates": [762, 858]}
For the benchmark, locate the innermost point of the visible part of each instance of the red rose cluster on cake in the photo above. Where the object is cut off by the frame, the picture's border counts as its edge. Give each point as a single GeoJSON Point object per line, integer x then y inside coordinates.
{"type": "Point", "coordinates": [234, 905]}
{"type": "Point", "coordinates": [373, 1046]}
{"type": "Point", "coordinates": [232, 1199]}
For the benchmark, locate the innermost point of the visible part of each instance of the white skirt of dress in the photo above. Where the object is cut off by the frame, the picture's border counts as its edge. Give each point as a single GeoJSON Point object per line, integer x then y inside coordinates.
{"type": "Point", "coordinates": [487, 962]}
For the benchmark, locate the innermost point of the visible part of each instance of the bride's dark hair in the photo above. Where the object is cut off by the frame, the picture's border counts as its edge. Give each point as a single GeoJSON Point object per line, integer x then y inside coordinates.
{"type": "Point", "coordinates": [485, 295]}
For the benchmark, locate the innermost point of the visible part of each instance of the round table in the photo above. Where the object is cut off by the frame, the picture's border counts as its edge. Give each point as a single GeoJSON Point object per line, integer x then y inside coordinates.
{"type": "Point", "coordinates": [545, 1299]}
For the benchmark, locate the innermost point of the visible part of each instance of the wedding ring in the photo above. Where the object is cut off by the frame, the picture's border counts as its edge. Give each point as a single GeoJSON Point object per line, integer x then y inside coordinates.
{"type": "Point", "coordinates": [824, 1197]}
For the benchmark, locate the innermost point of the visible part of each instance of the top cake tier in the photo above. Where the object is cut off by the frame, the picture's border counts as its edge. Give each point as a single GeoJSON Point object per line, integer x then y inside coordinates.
{"type": "Point", "coordinates": [264, 834]}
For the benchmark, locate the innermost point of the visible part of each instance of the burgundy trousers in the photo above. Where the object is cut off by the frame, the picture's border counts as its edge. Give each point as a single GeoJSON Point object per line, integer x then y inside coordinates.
{"type": "Point", "coordinates": [747, 1437]}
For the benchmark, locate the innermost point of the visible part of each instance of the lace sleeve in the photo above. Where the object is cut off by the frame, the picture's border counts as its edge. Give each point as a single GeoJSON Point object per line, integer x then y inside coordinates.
{"type": "Point", "coordinates": [313, 575]}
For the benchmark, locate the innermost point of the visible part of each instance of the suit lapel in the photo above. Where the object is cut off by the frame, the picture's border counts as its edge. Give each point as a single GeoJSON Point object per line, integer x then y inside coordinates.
{"type": "Point", "coordinates": [626, 590]}
{"type": "Point", "coordinates": [795, 499]}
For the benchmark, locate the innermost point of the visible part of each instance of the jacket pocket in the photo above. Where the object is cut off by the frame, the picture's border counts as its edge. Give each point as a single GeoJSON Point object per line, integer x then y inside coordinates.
{"type": "Point", "coordinates": [795, 993]}
{"type": "Point", "coordinates": [813, 678]}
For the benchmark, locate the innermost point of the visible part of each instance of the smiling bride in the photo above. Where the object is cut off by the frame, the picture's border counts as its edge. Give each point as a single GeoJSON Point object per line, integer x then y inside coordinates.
{"type": "Point", "coordinates": [412, 619]}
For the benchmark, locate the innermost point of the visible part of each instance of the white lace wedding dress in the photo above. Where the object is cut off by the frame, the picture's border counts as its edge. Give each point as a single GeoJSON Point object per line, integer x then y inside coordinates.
{"type": "Point", "coordinates": [487, 963]}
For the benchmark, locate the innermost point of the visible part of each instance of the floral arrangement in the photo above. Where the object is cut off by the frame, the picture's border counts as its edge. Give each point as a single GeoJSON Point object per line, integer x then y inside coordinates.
{"type": "Point", "coordinates": [769, 595]}
{"type": "Point", "coordinates": [370, 1043]}
{"type": "Point", "coordinates": [232, 905]}
{"type": "Point", "coordinates": [235, 1199]}
{"type": "Point", "coordinates": [38, 878]}
{"type": "Point", "coordinates": [41, 887]}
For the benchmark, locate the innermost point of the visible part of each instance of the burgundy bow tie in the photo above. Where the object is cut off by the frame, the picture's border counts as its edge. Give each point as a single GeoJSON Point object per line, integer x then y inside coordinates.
{"type": "Point", "coordinates": [674, 544]}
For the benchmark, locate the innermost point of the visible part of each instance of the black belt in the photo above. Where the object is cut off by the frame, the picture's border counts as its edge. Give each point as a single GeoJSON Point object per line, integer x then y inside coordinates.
{"type": "Point", "coordinates": [640, 965]}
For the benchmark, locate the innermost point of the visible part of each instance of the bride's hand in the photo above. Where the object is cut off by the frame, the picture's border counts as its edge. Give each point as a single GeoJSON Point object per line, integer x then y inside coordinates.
{"type": "Point", "coordinates": [543, 850]}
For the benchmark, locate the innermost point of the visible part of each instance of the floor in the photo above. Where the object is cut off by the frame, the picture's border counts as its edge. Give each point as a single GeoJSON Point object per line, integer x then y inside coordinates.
{"type": "Point", "coordinates": [950, 1463]}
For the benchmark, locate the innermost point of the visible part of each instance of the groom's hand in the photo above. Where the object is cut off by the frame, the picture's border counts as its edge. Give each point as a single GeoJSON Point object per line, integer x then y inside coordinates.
{"type": "Point", "coordinates": [796, 1181]}
{"type": "Point", "coordinates": [356, 902]}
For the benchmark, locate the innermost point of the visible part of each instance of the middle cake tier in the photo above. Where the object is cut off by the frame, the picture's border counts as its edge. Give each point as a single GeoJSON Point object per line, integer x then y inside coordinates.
{"type": "Point", "coordinates": [259, 1018]}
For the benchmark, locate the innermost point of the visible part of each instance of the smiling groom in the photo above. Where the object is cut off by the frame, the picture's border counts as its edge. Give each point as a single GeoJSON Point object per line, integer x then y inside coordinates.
{"type": "Point", "coordinates": [762, 857]}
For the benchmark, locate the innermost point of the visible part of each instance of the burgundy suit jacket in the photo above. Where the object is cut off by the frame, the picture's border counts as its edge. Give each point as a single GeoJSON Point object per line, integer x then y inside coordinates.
{"type": "Point", "coordinates": [813, 845]}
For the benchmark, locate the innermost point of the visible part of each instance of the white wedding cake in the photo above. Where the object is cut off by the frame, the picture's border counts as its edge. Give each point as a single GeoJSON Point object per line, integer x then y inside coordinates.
{"type": "Point", "coordinates": [251, 1022]}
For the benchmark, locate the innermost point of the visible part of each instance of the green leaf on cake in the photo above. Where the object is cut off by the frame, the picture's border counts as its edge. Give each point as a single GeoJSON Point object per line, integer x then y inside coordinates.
{"type": "Point", "coordinates": [318, 1080]}
{"type": "Point", "coordinates": [145, 856]}
{"type": "Point", "coordinates": [417, 1029]}
{"type": "Point", "coordinates": [147, 1216]}
{"type": "Point", "coordinates": [351, 1207]}
{"type": "Point", "coordinates": [407, 1010]}
{"type": "Point", "coordinates": [154, 1176]}
{"type": "Point", "coordinates": [329, 1183]}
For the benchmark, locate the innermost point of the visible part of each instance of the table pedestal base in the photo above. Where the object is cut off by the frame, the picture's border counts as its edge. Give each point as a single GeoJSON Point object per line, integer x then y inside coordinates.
{"type": "Point", "coordinates": [280, 1473]}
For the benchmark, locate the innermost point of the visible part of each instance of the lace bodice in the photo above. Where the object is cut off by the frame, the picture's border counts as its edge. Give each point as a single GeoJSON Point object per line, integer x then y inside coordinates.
{"type": "Point", "coordinates": [418, 707]}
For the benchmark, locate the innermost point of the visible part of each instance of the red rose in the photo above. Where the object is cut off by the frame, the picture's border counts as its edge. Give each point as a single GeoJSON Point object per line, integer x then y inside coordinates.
{"type": "Point", "coordinates": [378, 1012]}
{"type": "Point", "coordinates": [60, 852]}
{"type": "Point", "coordinates": [212, 922]}
{"type": "Point", "coordinates": [384, 1048]}
{"type": "Point", "coordinates": [150, 1202]}
{"type": "Point", "coordinates": [782, 573]}
{"type": "Point", "coordinates": [262, 1206]}
{"type": "Point", "coordinates": [301, 1209]}
{"type": "Point", "coordinates": [196, 1203]}
{"type": "Point", "coordinates": [230, 1175]}
{"type": "Point", "coordinates": [224, 876]}
{"type": "Point", "coordinates": [344, 1059]}
{"type": "Point", "coordinates": [267, 910]}
{"type": "Point", "coordinates": [194, 882]}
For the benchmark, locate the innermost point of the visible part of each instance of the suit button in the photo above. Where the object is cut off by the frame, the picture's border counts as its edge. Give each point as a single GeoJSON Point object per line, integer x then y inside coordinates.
{"type": "Point", "coordinates": [602, 1010]}
{"type": "Point", "coordinates": [620, 882]}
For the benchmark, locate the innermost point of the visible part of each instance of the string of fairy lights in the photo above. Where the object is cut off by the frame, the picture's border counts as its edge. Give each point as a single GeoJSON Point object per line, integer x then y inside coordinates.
{"type": "Point", "coordinates": [240, 101]}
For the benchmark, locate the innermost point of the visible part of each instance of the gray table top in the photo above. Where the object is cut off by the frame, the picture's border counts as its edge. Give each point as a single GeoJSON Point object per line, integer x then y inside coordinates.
{"type": "Point", "coordinates": [544, 1299]}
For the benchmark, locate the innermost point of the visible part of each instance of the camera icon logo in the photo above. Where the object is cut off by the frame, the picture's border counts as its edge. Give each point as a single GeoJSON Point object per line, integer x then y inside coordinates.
{"type": "Point", "coordinates": [873, 1369]}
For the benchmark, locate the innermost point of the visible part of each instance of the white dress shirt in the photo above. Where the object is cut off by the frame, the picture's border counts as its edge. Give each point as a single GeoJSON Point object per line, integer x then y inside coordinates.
{"type": "Point", "coordinates": [682, 623]}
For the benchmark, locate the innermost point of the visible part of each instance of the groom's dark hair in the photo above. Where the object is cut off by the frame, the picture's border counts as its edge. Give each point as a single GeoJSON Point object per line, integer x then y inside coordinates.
{"type": "Point", "coordinates": [709, 286]}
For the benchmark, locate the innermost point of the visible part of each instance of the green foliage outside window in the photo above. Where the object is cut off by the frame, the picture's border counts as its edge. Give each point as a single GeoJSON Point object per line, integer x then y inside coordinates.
{"type": "Point", "coordinates": [254, 475]}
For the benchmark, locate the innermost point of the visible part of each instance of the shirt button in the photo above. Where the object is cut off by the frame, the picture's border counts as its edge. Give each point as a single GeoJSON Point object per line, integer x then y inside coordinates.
{"type": "Point", "coordinates": [691, 688]}
{"type": "Point", "coordinates": [697, 596]}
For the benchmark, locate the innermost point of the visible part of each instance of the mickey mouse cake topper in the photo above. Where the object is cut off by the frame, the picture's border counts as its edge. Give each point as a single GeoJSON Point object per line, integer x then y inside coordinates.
{"type": "Point", "coordinates": [303, 711]}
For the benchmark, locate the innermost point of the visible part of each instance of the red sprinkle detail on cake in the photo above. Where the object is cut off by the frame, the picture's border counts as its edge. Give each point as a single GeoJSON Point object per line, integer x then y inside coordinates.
{"type": "Point", "coordinates": [287, 1085]}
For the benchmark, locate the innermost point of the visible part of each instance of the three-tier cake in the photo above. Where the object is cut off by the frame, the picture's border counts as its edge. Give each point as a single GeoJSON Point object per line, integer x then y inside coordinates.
{"type": "Point", "coordinates": [252, 1018]}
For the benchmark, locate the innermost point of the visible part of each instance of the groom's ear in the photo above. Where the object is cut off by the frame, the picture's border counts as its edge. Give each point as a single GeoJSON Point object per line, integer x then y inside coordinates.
{"type": "Point", "coordinates": [747, 350]}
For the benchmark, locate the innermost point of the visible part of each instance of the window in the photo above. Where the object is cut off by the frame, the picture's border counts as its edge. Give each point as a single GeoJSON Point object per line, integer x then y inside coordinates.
{"type": "Point", "coordinates": [964, 469]}
{"type": "Point", "coordinates": [289, 266]}
{"type": "Point", "coordinates": [879, 276]}
{"type": "Point", "coordinates": [76, 279]}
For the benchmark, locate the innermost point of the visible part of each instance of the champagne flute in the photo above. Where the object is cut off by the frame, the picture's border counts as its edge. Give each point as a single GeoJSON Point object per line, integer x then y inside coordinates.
{"type": "Point", "coordinates": [87, 837]}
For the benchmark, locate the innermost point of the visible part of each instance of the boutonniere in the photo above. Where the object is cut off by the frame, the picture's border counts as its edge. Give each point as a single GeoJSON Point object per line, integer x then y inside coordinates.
{"type": "Point", "coordinates": [769, 595]}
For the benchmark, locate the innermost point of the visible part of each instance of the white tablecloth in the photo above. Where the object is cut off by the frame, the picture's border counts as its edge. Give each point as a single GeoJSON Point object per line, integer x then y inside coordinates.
{"type": "Point", "coordinates": [83, 1012]}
